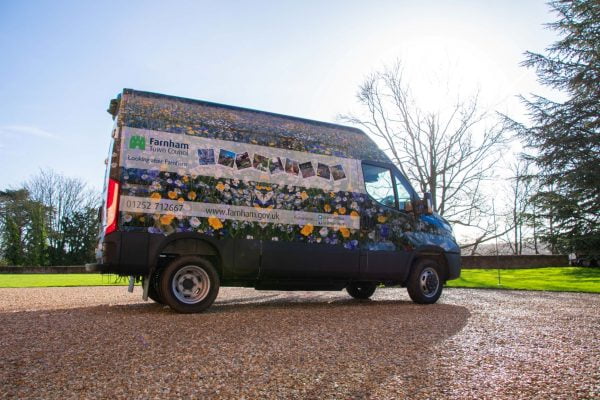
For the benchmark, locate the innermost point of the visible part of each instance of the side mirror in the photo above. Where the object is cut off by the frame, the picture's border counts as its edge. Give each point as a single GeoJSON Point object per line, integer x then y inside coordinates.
{"type": "Point", "coordinates": [425, 205]}
{"type": "Point", "coordinates": [427, 199]}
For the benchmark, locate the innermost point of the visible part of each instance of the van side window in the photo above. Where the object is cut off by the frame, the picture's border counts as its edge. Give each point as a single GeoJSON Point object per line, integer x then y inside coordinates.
{"type": "Point", "coordinates": [402, 192]}
{"type": "Point", "coordinates": [379, 184]}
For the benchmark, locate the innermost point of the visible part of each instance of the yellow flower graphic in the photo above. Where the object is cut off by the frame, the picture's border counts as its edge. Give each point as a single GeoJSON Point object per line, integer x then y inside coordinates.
{"type": "Point", "coordinates": [180, 200]}
{"type": "Point", "coordinates": [354, 214]}
{"type": "Point", "coordinates": [215, 222]}
{"type": "Point", "coordinates": [327, 208]}
{"type": "Point", "coordinates": [345, 232]}
{"type": "Point", "coordinates": [304, 196]}
{"type": "Point", "coordinates": [172, 194]}
{"type": "Point", "coordinates": [191, 195]}
{"type": "Point", "coordinates": [331, 194]}
{"type": "Point", "coordinates": [166, 219]}
{"type": "Point", "coordinates": [307, 229]}
{"type": "Point", "coordinates": [342, 210]}
{"type": "Point", "coordinates": [155, 196]}
{"type": "Point", "coordinates": [381, 219]}
{"type": "Point", "coordinates": [220, 187]}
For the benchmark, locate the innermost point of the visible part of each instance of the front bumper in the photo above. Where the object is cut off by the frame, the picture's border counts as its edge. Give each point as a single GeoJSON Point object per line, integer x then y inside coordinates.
{"type": "Point", "coordinates": [454, 265]}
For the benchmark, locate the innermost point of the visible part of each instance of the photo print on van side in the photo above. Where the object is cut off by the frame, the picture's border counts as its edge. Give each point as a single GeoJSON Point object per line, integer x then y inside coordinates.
{"type": "Point", "coordinates": [261, 163]}
{"type": "Point", "coordinates": [226, 158]}
{"type": "Point", "coordinates": [206, 156]}
{"type": "Point", "coordinates": [323, 171]}
{"type": "Point", "coordinates": [337, 171]}
{"type": "Point", "coordinates": [291, 167]}
{"type": "Point", "coordinates": [275, 165]}
{"type": "Point", "coordinates": [243, 161]}
{"type": "Point", "coordinates": [307, 169]}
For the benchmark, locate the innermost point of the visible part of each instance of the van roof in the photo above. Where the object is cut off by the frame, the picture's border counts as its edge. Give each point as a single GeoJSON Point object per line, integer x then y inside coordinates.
{"type": "Point", "coordinates": [147, 110]}
{"type": "Point", "coordinates": [237, 108]}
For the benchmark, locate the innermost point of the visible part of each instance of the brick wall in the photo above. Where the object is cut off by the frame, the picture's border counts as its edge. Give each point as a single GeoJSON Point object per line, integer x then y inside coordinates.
{"type": "Point", "coordinates": [78, 269]}
{"type": "Point", "coordinates": [514, 262]}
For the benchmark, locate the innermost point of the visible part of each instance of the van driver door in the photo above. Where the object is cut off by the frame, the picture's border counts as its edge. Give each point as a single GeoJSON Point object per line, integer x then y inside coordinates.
{"type": "Point", "coordinates": [384, 256]}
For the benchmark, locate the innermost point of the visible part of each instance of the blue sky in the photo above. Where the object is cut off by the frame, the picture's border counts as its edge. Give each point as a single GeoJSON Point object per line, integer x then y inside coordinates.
{"type": "Point", "coordinates": [62, 62]}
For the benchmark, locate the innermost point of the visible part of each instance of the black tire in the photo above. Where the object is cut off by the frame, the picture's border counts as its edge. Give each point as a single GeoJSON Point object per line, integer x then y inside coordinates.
{"type": "Point", "coordinates": [425, 282]}
{"type": "Point", "coordinates": [361, 290]}
{"type": "Point", "coordinates": [189, 284]}
{"type": "Point", "coordinates": [154, 288]}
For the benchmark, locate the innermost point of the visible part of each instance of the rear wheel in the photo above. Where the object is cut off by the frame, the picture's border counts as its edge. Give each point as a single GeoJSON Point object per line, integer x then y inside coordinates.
{"type": "Point", "coordinates": [361, 290]}
{"type": "Point", "coordinates": [189, 284]}
{"type": "Point", "coordinates": [154, 288]}
{"type": "Point", "coordinates": [425, 283]}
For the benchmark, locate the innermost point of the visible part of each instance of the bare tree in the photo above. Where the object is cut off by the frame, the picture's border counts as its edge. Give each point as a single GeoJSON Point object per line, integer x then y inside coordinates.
{"type": "Point", "coordinates": [448, 152]}
{"type": "Point", "coordinates": [521, 214]}
{"type": "Point", "coordinates": [66, 198]}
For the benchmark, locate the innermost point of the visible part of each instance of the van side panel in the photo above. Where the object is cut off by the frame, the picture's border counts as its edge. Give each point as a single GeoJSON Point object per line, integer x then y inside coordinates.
{"type": "Point", "coordinates": [297, 260]}
{"type": "Point", "coordinates": [247, 255]}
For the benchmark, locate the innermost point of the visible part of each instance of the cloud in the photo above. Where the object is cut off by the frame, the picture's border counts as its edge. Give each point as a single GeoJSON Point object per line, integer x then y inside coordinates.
{"type": "Point", "coordinates": [26, 130]}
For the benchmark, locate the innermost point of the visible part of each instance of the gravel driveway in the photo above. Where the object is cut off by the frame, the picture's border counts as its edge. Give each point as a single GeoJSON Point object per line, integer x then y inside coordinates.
{"type": "Point", "coordinates": [102, 342]}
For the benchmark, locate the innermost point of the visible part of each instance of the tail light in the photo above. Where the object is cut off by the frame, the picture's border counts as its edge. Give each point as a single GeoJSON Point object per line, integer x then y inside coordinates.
{"type": "Point", "coordinates": [112, 206]}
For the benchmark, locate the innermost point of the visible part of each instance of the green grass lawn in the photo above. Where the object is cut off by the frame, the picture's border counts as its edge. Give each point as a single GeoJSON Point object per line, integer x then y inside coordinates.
{"type": "Point", "coordinates": [52, 280]}
{"type": "Point", "coordinates": [568, 279]}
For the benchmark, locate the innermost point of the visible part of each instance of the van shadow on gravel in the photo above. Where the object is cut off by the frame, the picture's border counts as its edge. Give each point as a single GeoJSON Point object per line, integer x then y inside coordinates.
{"type": "Point", "coordinates": [261, 347]}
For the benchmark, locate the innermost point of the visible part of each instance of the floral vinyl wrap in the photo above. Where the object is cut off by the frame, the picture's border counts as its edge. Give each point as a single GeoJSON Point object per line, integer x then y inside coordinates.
{"type": "Point", "coordinates": [381, 229]}
{"type": "Point", "coordinates": [198, 118]}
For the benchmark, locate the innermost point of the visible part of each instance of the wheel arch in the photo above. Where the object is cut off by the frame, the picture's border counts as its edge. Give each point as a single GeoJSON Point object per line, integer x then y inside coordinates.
{"type": "Point", "coordinates": [186, 244]}
{"type": "Point", "coordinates": [430, 252]}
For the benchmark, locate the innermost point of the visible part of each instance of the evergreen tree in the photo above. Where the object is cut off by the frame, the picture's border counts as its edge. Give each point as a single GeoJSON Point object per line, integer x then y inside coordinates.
{"type": "Point", "coordinates": [13, 220]}
{"type": "Point", "coordinates": [12, 245]}
{"type": "Point", "coordinates": [564, 136]}
{"type": "Point", "coordinates": [80, 231]}
{"type": "Point", "coordinates": [36, 237]}
{"type": "Point", "coordinates": [23, 229]}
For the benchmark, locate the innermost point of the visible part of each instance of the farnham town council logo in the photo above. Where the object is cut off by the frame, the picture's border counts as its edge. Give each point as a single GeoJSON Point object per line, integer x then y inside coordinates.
{"type": "Point", "coordinates": [137, 142]}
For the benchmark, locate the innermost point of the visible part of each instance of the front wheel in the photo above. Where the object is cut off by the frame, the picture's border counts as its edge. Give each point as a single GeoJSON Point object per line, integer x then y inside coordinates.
{"type": "Point", "coordinates": [189, 284]}
{"type": "Point", "coordinates": [362, 290]}
{"type": "Point", "coordinates": [424, 283]}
